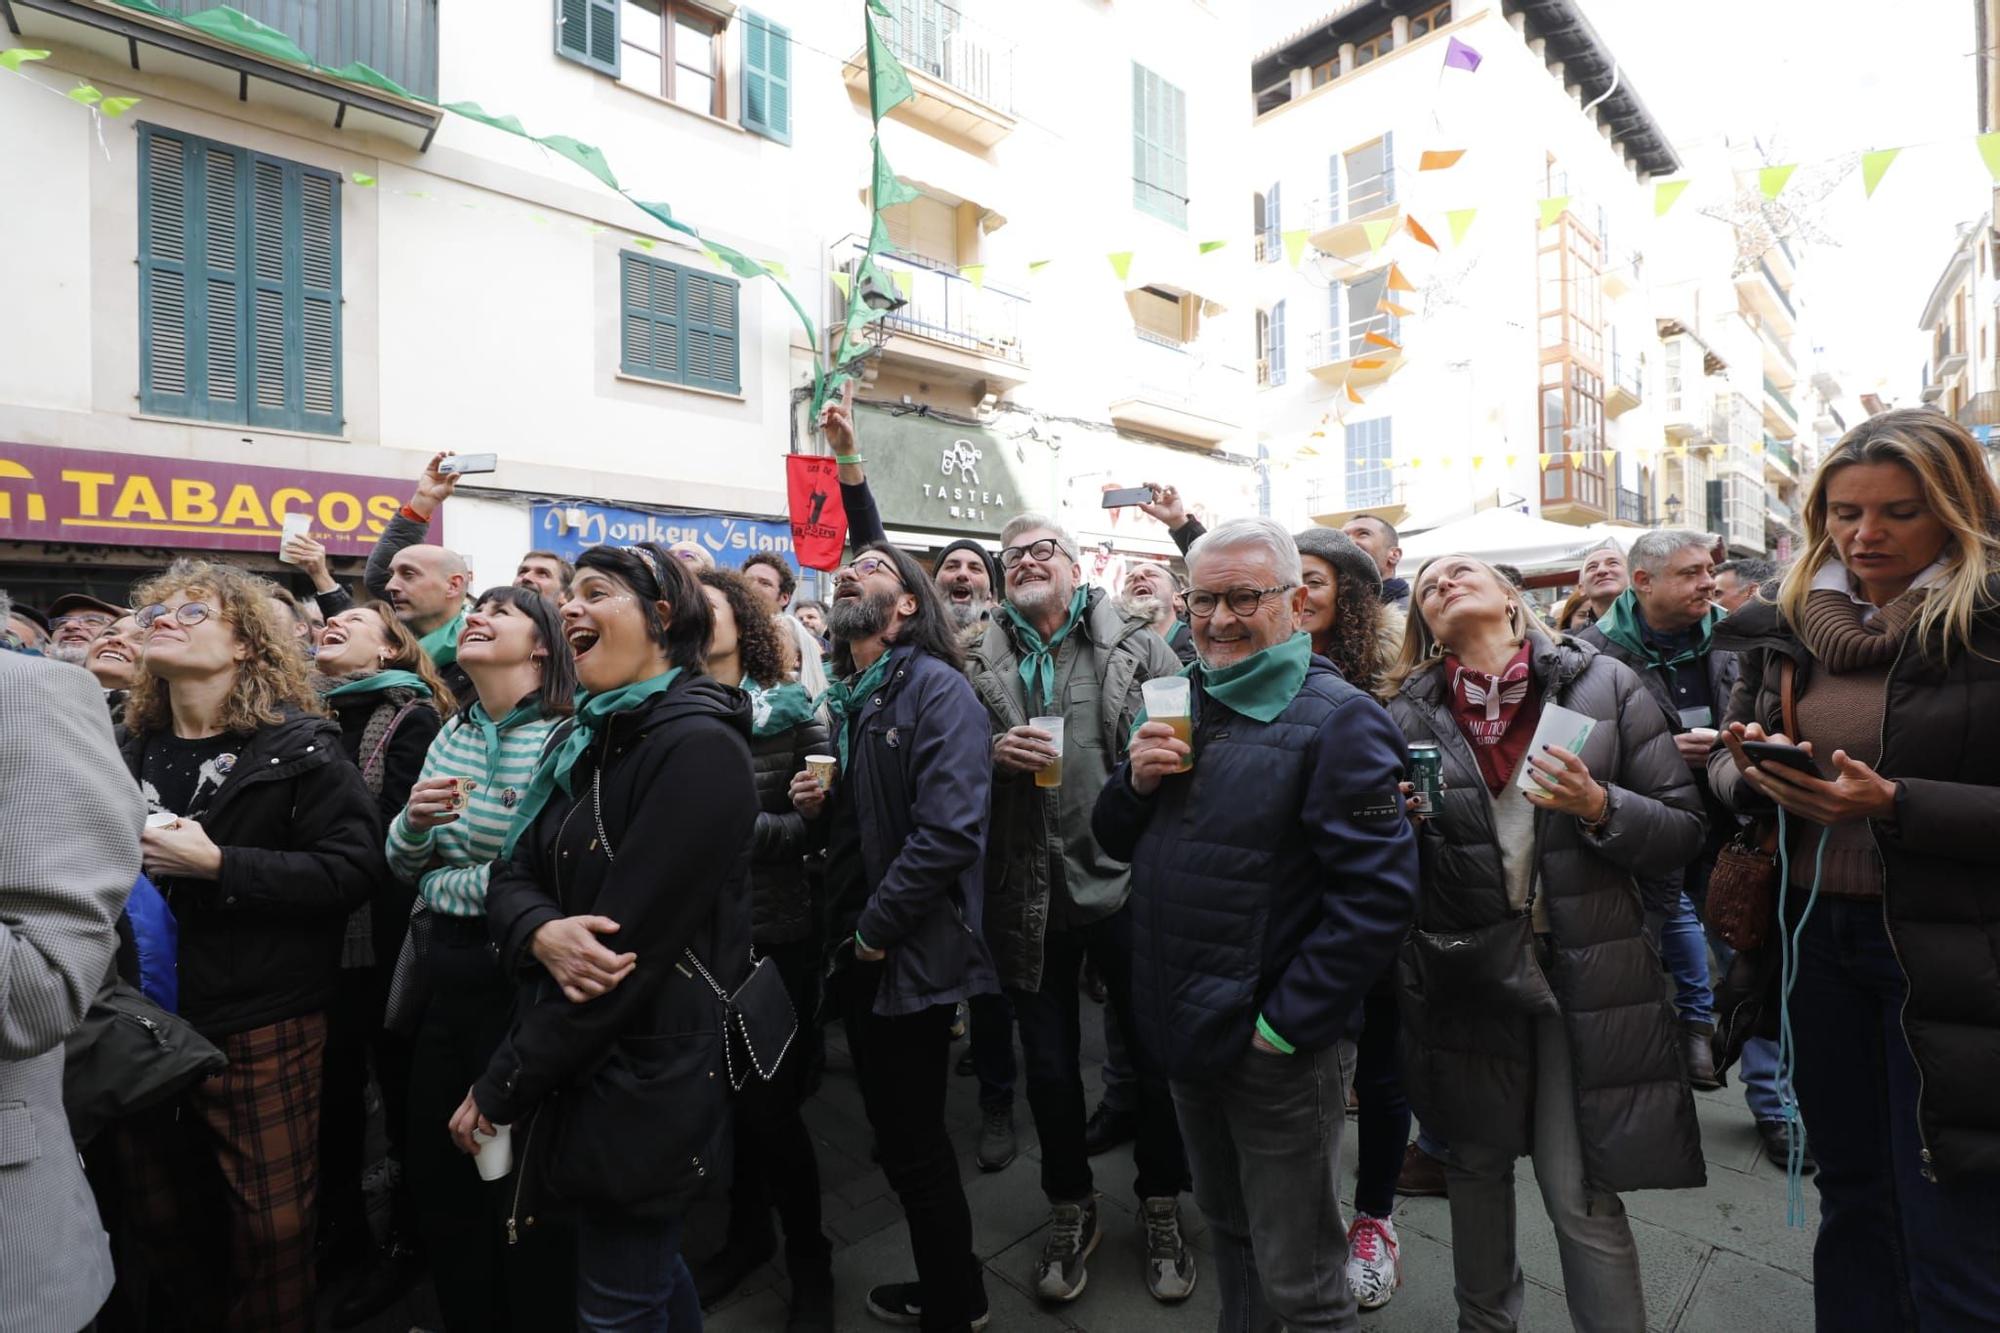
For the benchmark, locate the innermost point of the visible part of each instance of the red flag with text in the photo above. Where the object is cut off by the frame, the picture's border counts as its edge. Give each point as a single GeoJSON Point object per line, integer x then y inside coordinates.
{"type": "Point", "coordinates": [819, 519]}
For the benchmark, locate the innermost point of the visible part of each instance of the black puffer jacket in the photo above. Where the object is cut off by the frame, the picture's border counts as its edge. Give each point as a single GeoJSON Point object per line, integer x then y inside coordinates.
{"type": "Point", "coordinates": [781, 899]}
{"type": "Point", "coordinates": [1469, 1066]}
{"type": "Point", "coordinates": [1941, 746]}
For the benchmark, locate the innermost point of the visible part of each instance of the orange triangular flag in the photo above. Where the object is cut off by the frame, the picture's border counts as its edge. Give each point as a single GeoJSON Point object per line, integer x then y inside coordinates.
{"type": "Point", "coordinates": [1352, 396]}
{"type": "Point", "coordinates": [1399, 283]}
{"type": "Point", "coordinates": [1437, 159]}
{"type": "Point", "coordinates": [1369, 363]}
{"type": "Point", "coordinates": [1417, 230]}
{"type": "Point", "coordinates": [1387, 307]}
{"type": "Point", "coordinates": [1382, 340]}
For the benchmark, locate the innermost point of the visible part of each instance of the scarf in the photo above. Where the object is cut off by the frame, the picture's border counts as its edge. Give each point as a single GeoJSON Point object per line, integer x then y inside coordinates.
{"type": "Point", "coordinates": [846, 698]}
{"type": "Point", "coordinates": [441, 644]}
{"type": "Point", "coordinates": [1834, 632]}
{"type": "Point", "coordinates": [556, 766]}
{"type": "Point", "coordinates": [1259, 687]}
{"type": "Point", "coordinates": [1497, 714]}
{"type": "Point", "coordinates": [489, 730]}
{"type": "Point", "coordinates": [1625, 626]}
{"type": "Point", "coordinates": [777, 709]}
{"type": "Point", "coordinates": [356, 687]}
{"type": "Point", "coordinates": [1038, 659]}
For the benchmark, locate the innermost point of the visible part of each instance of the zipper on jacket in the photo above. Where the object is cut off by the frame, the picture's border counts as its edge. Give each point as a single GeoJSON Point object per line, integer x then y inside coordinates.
{"type": "Point", "coordinates": [153, 1029]}
{"type": "Point", "coordinates": [520, 1180]}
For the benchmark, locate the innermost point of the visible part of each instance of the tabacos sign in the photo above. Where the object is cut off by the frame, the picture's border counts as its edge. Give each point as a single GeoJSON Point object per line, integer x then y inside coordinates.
{"type": "Point", "coordinates": [567, 529]}
{"type": "Point", "coordinates": [90, 496]}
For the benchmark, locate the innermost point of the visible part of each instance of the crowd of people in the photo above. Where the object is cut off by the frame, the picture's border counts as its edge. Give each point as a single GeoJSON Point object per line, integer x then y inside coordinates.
{"type": "Point", "coordinates": [568, 876]}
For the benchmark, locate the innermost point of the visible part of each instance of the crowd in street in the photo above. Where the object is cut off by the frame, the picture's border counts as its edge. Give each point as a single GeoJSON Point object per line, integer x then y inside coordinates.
{"type": "Point", "coordinates": [568, 875]}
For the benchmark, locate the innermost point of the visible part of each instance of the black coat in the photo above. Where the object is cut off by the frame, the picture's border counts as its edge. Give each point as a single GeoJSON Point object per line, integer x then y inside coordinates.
{"type": "Point", "coordinates": [301, 848]}
{"type": "Point", "coordinates": [781, 897]}
{"type": "Point", "coordinates": [1941, 746]}
{"type": "Point", "coordinates": [1469, 1063]}
{"type": "Point", "coordinates": [634, 1080]}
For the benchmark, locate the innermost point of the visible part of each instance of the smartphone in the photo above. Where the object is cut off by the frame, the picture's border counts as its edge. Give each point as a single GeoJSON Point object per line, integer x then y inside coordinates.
{"type": "Point", "coordinates": [460, 464]}
{"type": "Point", "coordinates": [1120, 497]}
{"type": "Point", "coordinates": [296, 525]}
{"type": "Point", "coordinates": [1790, 756]}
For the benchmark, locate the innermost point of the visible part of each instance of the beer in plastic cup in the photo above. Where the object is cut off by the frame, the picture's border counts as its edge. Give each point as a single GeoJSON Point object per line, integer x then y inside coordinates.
{"type": "Point", "coordinates": [1051, 776]}
{"type": "Point", "coordinates": [495, 1157]}
{"type": "Point", "coordinates": [1169, 700]}
{"type": "Point", "coordinates": [822, 767]}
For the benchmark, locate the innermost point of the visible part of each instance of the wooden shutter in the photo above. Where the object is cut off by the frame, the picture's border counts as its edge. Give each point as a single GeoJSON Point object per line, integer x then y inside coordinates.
{"type": "Point", "coordinates": [767, 77]}
{"type": "Point", "coordinates": [650, 305]}
{"type": "Point", "coordinates": [587, 32]}
{"type": "Point", "coordinates": [318, 295]}
{"type": "Point", "coordinates": [1278, 343]}
{"type": "Point", "coordinates": [166, 323]}
{"type": "Point", "coordinates": [271, 326]}
{"type": "Point", "coordinates": [1336, 327]}
{"type": "Point", "coordinates": [710, 335]}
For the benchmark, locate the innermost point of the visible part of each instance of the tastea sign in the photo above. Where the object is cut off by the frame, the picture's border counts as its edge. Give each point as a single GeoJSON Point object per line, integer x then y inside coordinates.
{"type": "Point", "coordinates": [939, 476]}
{"type": "Point", "coordinates": [567, 529]}
{"type": "Point", "coordinates": [90, 496]}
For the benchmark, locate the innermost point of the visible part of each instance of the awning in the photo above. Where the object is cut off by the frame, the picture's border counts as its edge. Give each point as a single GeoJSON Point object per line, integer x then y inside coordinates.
{"type": "Point", "coordinates": [1510, 537]}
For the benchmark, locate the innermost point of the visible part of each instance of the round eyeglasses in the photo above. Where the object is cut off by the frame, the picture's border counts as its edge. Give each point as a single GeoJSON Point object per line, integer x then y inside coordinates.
{"type": "Point", "coordinates": [1201, 603]}
{"type": "Point", "coordinates": [187, 613]}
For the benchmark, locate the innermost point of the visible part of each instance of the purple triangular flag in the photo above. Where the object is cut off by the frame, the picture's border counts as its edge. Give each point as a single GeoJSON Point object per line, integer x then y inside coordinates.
{"type": "Point", "coordinates": [1460, 56]}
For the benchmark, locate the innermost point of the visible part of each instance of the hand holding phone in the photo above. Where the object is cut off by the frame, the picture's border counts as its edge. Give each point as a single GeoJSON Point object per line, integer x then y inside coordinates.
{"type": "Point", "coordinates": [1119, 497]}
{"type": "Point", "coordinates": [1795, 757]}
{"type": "Point", "coordinates": [457, 465]}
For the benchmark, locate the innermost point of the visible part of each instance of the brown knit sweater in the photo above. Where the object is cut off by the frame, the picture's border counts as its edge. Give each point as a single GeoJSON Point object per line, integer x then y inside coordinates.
{"type": "Point", "coordinates": [1842, 712]}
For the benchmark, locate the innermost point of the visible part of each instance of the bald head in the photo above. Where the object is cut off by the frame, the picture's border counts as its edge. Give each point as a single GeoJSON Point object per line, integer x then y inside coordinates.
{"type": "Point", "coordinates": [427, 586]}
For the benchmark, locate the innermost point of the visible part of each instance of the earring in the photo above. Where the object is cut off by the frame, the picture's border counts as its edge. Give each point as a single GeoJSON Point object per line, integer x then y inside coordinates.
{"type": "Point", "coordinates": [1437, 648]}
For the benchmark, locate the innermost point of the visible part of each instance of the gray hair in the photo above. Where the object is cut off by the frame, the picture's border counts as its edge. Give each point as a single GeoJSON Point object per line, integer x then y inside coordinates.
{"type": "Point", "coordinates": [6, 605]}
{"type": "Point", "coordinates": [1750, 569]}
{"type": "Point", "coordinates": [1029, 521]}
{"type": "Point", "coordinates": [1652, 550]}
{"type": "Point", "coordinates": [1259, 534]}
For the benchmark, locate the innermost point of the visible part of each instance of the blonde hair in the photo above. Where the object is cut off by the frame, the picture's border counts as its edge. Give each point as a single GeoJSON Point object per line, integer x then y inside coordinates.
{"type": "Point", "coordinates": [1421, 650]}
{"type": "Point", "coordinates": [1951, 471]}
{"type": "Point", "coordinates": [406, 653]}
{"type": "Point", "coordinates": [270, 679]}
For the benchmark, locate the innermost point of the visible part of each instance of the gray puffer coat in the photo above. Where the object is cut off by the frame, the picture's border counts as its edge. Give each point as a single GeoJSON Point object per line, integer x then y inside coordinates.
{"type": "Point", "coordinates": [1469, 1064]}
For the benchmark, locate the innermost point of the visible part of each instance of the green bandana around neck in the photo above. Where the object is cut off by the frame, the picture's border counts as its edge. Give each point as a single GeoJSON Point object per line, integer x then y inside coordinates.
{"type": "Point", "coordinates": [1038, 660]}
{"type": "Point", "coordinates": [441, 644]}
{"type": "Point", "coordinates": [1263, 684]}
{"type": "Point", "coordinates": [375, 683]}
{"type": "Point", "coordinates": [489, 730]}
{"type": "Point", "coordinates": [845, 698]}
{"type": "Point", "coordinates": [1625, 626]}
{"type": "Point", "coordinates": [777, 709]}
{"type": "Point", "coordinates": [555, 768]}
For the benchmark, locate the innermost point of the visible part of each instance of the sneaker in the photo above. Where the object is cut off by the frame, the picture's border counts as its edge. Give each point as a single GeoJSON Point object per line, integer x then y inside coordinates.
{"type": "Point", "coordinates": [1169, 1262]}
{"type": "Point", "coordinates": [958, 1021]}
{"type": "Point", "coordinates": [1060, 1274]}
{"type": "Point", "coordinates": [901, 1303]}
{"type": "Point", "coordinates": [1374, 1270]}
{"type": "Point", "coordinates": [997, 1148]}
{"type": "Point", "coordinates": [1108, 1128]}
{"type": "Point", "coordinates": [1422, 1175]}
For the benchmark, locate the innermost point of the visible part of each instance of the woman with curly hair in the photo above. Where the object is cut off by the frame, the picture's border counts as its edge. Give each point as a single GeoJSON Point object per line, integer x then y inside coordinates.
{"type": "Point", "coordinates": [775, 1164]}
{"type": "Point", "coordinates": [263, 839]}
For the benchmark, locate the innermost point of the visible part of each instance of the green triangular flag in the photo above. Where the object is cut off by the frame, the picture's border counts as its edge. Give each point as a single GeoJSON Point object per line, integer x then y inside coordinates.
{"type": "Point", "coordinates": [1210, 247]}
{"type": "Point", "coordinates": [373, 78]}
{"type": "Point", "coordinates": [1771, 180]}
{"type": "Point", "coordinates": [1461, 222]}
{"type": "Point", "coordinates": [474, 111]}
{"type": "Point", "coordinates": [1664, 195]}
{"type": "Point", "coordinates": [644, 242]}
{"type": "Point", "coordinates": [880, 7]}
{"type": "Point", "coordinates": [1121, 263]}
{"type": "Point", "coordinates": [118, 106]}
{"type": "Point", "coordinates": [1874, 166]}
{"type": "Point", "coordinates": [1035, 266]}
{"type": "Point", "coordinates": [362, 178]}
{"type": "Point", "coordinates": [239, 29]}
{"type": "Point", "coordinates": [974, 274]}
{"type": "Point", "coordinates": [665, 217]}
{"type": "Point", "coordinates": [587, 156]}
{"type": "Point", "coordinates": [1989, 148]}
{"type": "Point", "coordinates": [878, 236]}
{"type": "Point", "coordinates": [16, 56]}
{"type": "Point", "coordinates": [1553, 208]}
{"type": "Point", "coordinates": [889, 191]}
{"type": "Point", "coordinates": [742, 265]}
{"type": "Point", "coordinates": [85, 94]}
{"type": "Point", "coordinates": [888, 85]}
{"type": "Point", "coordinates": [1295, 246]}
{"type": "Point", "coordinates": [1376, 229]}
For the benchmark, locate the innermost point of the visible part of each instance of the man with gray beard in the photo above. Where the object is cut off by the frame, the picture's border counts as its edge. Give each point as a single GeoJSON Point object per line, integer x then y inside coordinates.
{"type": "Point", "coordinates": [75, 621]}
{"type": "Point", "coordinates": [966, 577]}
{"type": "Point", "coordinates": [1148, 594]}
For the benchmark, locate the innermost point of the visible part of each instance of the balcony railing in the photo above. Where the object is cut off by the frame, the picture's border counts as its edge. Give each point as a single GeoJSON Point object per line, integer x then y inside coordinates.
{"type": "Point", "coordinates": [1359, 199]}
{"type": "Point", "coordinates": [942, 42]}
{"type": "Point", "coordinates": [1777, 344]}
{"type": "Point", "coordinates": [1982, 409]}
{"type": "Point", "coordinates": [948, 309]}
{"type": "Point", "coordinates": [398, 38]}
{"type": "Point", "coordinates": [1633, 507]}
{"type": "Point", "coordinates": [1781, 398]}
{"type": "Point", "coordinates": [1784, 298]}
{"type": "Point", "coordinates": [1782, 451]}
{"type": "Point", "coordinates": [1629, 374]}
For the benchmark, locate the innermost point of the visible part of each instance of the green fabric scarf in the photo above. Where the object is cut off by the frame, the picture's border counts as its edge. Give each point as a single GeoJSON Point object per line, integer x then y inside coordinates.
{"type": "Point", "coordinates": [777, 709]}
{"type": "Point", "coordinates": [1624, 626]}
{"type": "Point", "coordinates": [845, 698]}
{"type": "Point", "coordinates": [1038, 660]}
{"type": "Point", "coordinates": [490, 730]}
{"type": "Point", "coordinates": [441, 644]}
{"type": "Point", "coordinates": [376, 683]}
{"type": "Point", "coordinates": [1259, 687]}
{"type": "Point", "coordinates": [554, 770]}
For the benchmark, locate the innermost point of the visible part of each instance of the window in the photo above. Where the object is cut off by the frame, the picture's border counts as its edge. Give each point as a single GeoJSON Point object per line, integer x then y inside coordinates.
{"type": "Point", "coordinates": [1354, 311]}
{"type": "Point", "coordinates": [587, 32]}
{"type": "Point", "coordinates": [1428, 22]}
{"type": "Point", "coordinates": [1672, 352]}
{"type": "Point", "coordinates": [678, 326]}
{"type": "Point", "coordinates": [1163, 316]}
{"type": "Point", "coordinates": [674, 50]}
{"type": "Point", "coordinates": [1270, 225]}
{"type": "Point", "coordinates": [1368, 454]}
{"type": "Point", "coordinates": [239, 285]}
{"type": "Point", "coordinates": [767, 77]}
{"type": "Point", "coordinates": [1271, 345]}
{"type": "Point", "coordinates": [1325, 72]}
{"type": "Point", "coordinates": [1572, 417]}
{"type": "Point", "coordinates": [1159, 147]}
{"type": "Point", "coordinates": [1371, 176]}
{"type": "Point", "coordinates": [925, 229]}
{"type": "Point", "coordinates": [1379, 45]}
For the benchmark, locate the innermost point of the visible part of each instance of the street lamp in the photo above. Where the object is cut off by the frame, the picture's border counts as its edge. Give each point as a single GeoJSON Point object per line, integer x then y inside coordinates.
{"type": "Point", "coordinates": [1673, 511]}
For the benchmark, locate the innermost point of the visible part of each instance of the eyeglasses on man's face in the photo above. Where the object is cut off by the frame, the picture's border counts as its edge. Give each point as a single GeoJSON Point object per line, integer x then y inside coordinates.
{"type": "Point", "coordinates": [1201, 603]}
{"type": "Point", "coordinates": [868, 566]}
{"type": "Point", "coordinates": [89, 619]}
{"type": "Point", "coordinates": [187, 613]}
{"type": "Point", "coordinates": [1043, 551]}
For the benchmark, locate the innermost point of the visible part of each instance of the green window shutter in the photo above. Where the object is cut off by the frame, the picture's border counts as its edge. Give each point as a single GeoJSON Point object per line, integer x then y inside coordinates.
{"type": "Point", "coordinates": [710, 318]}
{"type": "Point", "coordinates": [767, 77]}
{"type": "Point", "coordinates": [679, 326]}
{"type": "Point", "coordinates": [166, 324]}
{"type": "Point", "coordinates": [587, 32]}
{"type": "Point", "coordinates": [294, 297]}
{"type": "Point", "coordinates": [221, 390]}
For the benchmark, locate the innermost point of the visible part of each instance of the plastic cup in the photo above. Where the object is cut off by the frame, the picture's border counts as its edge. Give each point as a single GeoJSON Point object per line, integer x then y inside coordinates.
{"type": "Point", "coordinates": [1051, 774]}
{"type": "Point", "coordinates": [822, 767]}
{"type": "Point", "coordinates": [1169, 700]}
{"type": "Point", "coordinates": [495, 1157]}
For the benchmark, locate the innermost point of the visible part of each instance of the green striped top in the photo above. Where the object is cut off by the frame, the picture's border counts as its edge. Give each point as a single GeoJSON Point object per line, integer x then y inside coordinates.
{"type": "Point", "coordinates": [466, 848]}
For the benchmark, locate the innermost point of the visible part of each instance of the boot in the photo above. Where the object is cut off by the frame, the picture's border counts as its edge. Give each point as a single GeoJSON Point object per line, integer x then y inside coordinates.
{"type": "Point", "coordinates": [1696, 1039]}
{"type": "Point", "coordinates": [386, 1281]}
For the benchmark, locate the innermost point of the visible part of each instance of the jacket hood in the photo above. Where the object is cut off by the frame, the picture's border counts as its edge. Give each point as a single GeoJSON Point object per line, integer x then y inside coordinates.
{"type": "Point", "coordinates": [705, 696]}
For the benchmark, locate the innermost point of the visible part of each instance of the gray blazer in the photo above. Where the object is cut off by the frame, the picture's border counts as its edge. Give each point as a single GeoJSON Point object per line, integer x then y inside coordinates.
{"type": "Point", "coordinates": [69, 853]}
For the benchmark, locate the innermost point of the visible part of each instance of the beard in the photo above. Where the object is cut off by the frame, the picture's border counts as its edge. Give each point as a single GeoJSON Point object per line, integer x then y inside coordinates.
{"type": "Point", "coordinates": [72, 653]}
{"type": "Point", "coordinates": [964, 615]}
{"type": "Point", "coordinates": [851, 619]}
{"type": "Point", "coordinates": [1038, 597]}
{"type": "Point", "coordinates": [1144, 607]}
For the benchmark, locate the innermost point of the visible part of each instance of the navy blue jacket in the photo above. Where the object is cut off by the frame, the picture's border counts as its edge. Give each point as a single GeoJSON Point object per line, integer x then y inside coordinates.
{"type": "Point", "coordinates": [1277, 878]}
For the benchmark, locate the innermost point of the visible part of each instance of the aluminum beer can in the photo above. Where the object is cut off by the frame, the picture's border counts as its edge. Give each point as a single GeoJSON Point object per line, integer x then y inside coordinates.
{"type": "Point", "coordinates": [1426, 775]}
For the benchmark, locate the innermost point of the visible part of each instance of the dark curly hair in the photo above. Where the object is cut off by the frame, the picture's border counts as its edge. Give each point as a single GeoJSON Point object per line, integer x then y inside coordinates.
{"type": "Point", "coordinates": [1356, 647]}
{"type": "Point", "coordinates": [758, 645]}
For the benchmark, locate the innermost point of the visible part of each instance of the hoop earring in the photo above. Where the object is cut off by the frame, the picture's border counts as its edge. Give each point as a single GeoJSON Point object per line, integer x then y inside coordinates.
{"type": "Point", "coordinates": [1437, 649]}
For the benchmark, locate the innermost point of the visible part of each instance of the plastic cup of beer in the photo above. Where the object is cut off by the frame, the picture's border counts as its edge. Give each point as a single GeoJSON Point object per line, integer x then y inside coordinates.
{"type": "Point", "coordinates": [1169, 700]}
{"type": "Point", "coordinates": [822, 767]}
{"type": "Point", "coordinates": [1051, 776]}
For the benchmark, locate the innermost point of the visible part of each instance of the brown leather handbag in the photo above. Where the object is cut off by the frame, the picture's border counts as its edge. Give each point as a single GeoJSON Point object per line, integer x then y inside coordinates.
{"type": "Point", "coordinates": [1743, 887]}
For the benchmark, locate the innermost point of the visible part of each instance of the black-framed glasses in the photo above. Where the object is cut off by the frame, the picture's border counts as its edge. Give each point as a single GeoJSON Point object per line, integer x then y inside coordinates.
{"type": "Point", "coordinates": [1201, 603]}
{"type": "Point", "coordinates": [1043, 550]}
{"type": "Point", "coordinates": [870, 565]}
{"type": "Point", "coordinates": [187, 613]}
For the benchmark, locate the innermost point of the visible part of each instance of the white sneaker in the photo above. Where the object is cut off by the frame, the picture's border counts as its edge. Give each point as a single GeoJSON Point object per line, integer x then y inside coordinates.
{"type": "Point", "coordinates": [1374, 1270]}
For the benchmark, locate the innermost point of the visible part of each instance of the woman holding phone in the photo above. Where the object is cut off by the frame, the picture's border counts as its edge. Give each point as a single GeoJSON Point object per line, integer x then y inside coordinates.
{"type": "Point", "coordinates": [1883, 645]}
{"type": "Point", "coordinates": [1536, 1021]}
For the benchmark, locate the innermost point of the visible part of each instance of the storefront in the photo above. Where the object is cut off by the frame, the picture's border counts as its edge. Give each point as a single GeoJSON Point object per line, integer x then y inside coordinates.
{"type": "Point", "coordinates": [568, 526]}
{"type": "Point", "coordinates": [938, 481]}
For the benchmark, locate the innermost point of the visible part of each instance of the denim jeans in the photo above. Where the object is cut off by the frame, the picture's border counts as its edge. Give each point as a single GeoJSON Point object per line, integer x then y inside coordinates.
{"type": "Point", "coordinates": [1684, 948]}
{"type": "Point", "coordinates": [630, 1277]}
{"type": "Point", "coordinates": [1895, 1251]}
{"type": "Point", "coordinates": [1382, 1127]}
{"type": "Point", "coordinates": [1051, 1025]}
{"type": "Point", "coordinates": [1264, 1142]}
{"type": "Point", "coordinates": [991, 1019]}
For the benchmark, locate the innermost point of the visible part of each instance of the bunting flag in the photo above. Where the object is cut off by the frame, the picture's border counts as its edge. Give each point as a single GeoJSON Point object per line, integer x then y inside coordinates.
{"type": "Point", "coordinates": [1478, 462]}
{"type": "Point", "coordinates": [1461, 223]}
{"type": "Point", "coordinates": [1874, 166]}
{"type": "Point", "coordinates": [1989, 150]}
{"type": "Point", "coordinates": [1295, 245]}
{"type": "Point", "coordinates": [362, 179]}
{"type": "Point", "coordinates": [1416, 229]}
{"type": "Point", "coordinates": [16, 56]}
{"type": "Point", "coordinates": [1369, 363]}
{"type": "Point", "coordinates": [1513, 459]}
{"type": "Point", "coordinates": [840, 280]}
{"type": "Point", "coordinates": [888, 83]}
{"type": "Point", "coordinates": [1353, 395]}
{"type": "Point", "coordinates": [1610, 458]}
{"type": "Point", "coordinates": [1035, 266]}
{"type": "Point", "coordinates": [974, 274]}
{"type": "Point", "coordinates": [1458, 55]}
{"type": "Point", "coordinates": [1553, 208]}
{"type": "Point", "coordinates": [1664, 196]}
{"type": "Point", "coordinates": [1121, 263]}
{"type": "Point", "coordinates": [1375, 339]}
{"type": "Point", "coordinates": [1210, 247]}
{"type": "Point", "coordinates": [889, 190]}
{"type": "Point", "coordinates": [1439, 159]}
{"type": "Point", "coordinates": [85, 94]}
{"type": "Point", "coordinates": [1771, 180]}
{"type": "Point", "coordinates": [906, 282]}
{"type": "Point", "coordinates": [1548, 461]}
{"type": "Point", "coordinates": [1377, 230]}
{"type": "Point", "coordinates": [1396, 282]}
{"type": "Point", "coordinates": [1387, 307]}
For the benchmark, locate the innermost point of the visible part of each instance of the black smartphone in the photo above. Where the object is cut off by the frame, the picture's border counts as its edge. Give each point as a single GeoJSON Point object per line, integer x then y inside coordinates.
{"type": "Point", "coordinates": [1790, 756]}
{"type": "Point", "coordinates": [1128, 495]}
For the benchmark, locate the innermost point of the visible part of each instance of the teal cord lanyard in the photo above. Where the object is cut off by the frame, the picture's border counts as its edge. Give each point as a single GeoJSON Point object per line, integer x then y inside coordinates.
{"type": "Point", "coordinates": [1788, 954]}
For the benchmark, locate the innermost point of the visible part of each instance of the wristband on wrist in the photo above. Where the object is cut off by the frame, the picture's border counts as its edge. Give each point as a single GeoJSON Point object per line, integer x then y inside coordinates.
{"type": "Point", "coordinates": [850, 460]}
{"type": "Point", "coordinates": [414, 516]}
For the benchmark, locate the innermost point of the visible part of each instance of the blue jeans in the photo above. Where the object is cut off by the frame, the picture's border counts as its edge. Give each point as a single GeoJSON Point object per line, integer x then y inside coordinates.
{"type": "Point", "coordinates": [630, 1277]}
{"type": "Point", "coordinates": [1895, 1251]}
{"type": "Point", "coordinates": [1684, 948]}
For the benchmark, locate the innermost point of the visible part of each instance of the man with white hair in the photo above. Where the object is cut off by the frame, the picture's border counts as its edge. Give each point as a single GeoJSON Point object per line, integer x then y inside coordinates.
{"type": "Point", "coordinates": [1271, 885]}
{"type": "Point", "coordinates": [1148, 594]}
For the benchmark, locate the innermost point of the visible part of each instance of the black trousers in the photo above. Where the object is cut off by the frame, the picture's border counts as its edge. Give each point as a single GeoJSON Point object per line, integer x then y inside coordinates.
{"type": "Point", "coordinates": [775, 1163]}
{"type": "Point", "coordinates": [354, 1035]}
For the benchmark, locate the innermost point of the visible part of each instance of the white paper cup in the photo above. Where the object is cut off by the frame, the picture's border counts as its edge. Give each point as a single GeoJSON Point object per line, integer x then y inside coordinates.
{"type": "Point", "coordinates": [823, 767]}
{"type": "Point", "coordinates": [495, 1157]}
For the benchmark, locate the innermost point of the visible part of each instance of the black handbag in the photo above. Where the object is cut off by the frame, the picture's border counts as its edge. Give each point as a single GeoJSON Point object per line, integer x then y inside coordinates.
{"type": "Point", "coordinates": [758, 1017]}
{"type": "Point", "coordinates": [127, 1055]}
{"type": "Point", "coordinates": [1492, 968]}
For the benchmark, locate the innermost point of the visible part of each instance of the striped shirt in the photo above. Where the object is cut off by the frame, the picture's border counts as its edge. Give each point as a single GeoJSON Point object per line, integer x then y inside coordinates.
{"type": "Point", "coordinates": [467, 847]}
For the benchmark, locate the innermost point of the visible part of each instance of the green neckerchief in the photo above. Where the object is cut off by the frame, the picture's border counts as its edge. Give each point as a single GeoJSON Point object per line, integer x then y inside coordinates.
{"type": "Point", "coordinates": [845, 698]}
{"type": "Point", "coordinates": [376, 683]}
{"type": "Point", "coordinates": [490, 730]}
{"type": "Point", "coordinates": [1259, 687]}
{"type": "Point", "coordinates": [554, 770]}
{"type": "Point", "coordinates": [777, 709]}
{"type": "Point", "coordinates": [1039, 659]}
{"type": "Point", "coordinates": [441, 644]}
{"type": "Point", "coordinates": [1626, 627]}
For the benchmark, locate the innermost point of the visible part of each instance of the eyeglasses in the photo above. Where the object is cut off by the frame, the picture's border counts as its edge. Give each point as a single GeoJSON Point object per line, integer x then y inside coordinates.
{"type": "Point", "coordinates": [870, 565]}
{"type": "Point", "coordinates": [1201, 603]}
{"type": "Point", "coordinates": [1043, 550]}
{"type": "Point", "coordinates": [188, 613]}
{"type": "Point", "coordinates": [91, 619]}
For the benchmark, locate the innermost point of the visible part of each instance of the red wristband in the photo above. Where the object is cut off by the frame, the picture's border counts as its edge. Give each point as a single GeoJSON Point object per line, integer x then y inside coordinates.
{"type": "Point", "coordinates": [414, 516]}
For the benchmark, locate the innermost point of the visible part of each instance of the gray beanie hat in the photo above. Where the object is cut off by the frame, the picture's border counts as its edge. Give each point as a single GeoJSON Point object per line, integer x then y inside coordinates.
{"type": "Point", "coordinates": [1349, 561]}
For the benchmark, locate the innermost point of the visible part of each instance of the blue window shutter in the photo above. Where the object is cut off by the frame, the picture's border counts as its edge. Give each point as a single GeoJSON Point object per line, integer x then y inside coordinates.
{"type": "Point", "coordinates": [1274, 223]}
{"type": "Point", "coordinates": [709, 320]}
{"type": "Point", "coordinates": [317, 291]}
{"type": "Point", "coordinates": [767, 78]}
{"type": "Point", "coordinates": [274, 324]}
{"type": "Point", "coordinates": [1278, 343]}
{"type": "Point", "coordinates": [679, 326]}
{"type": "Point", "coordinates": [168, 341]}
{"type": "Point", "coordinates": [587, 32]}
{"type": "Point", "coordinates": [1388, 167]}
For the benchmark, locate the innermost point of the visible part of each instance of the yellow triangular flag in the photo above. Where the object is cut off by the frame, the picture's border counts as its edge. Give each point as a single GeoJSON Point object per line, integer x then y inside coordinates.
{"type": "Point", "coordinates": [1121, 263]}
{"type": "Point", "coordinates": [1438, 159]}
{"type": "Point", "coordinates": [1210, 247]}
{"type": "Point", "coordinates": [1295, 245]}
{"type": "Point", "coordinates": [1989, 148]}
{"type": "Point", "coordinates": [1771, 180]}
{"type": "Point", "coordinates": [1377, 231]}
{"type": "Point", "coordinates": [1553, 208]}
{"type": "Point", "coordinates": [776, 270]}
{"type": "Point", "coordinates": [1513, 459]}
{"type": "Point", "coordinates": [1874, 166]}
{"type": "Point", "coordinates": [974, 274]}
{"type": "Point", "coordinates": [1757, 447]}
{"type": "Point", "coordinates": [1664, 195]}
{"type": "Point", "coordinates": [1396, 282]}
{"type": "Point", "coordinates": [1548, 461]}
{"type": "Point", "coordinates": [1035, 266]}
{"type": "Point", "coordinates": [1610, 458]}
{"type": "Point", "coordinates": [1445, 461]}
{"type": "Point", "coordinates": [1478, 461]}
{"type": "Point", "coordinates": [906, 282]}
{"type": "Point", "coordinates": [842, 281]}
{"type": "Point", "coordinates": [1461, 223]}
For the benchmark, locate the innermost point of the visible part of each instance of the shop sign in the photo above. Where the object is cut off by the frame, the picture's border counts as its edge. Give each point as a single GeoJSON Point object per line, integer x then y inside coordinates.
{"type": "Point", "coordinates": [90, 496]}
{"type": "Point", "coordinates": [941, 477]}
{"type": "Point", "coordinates": [568, 528]}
